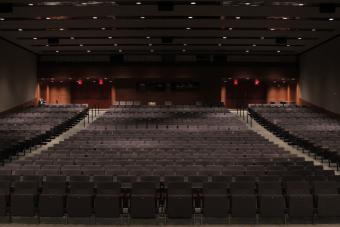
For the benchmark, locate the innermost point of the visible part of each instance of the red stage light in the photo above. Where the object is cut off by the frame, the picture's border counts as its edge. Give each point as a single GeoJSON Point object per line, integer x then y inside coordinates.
{"type": "Point", "coordinates": [235, 82]}
{"type": "Point", "coordinates": [100, 81]}
{"type": "Point", "coordinates": [79, 82]}
{"type": "Point", "coordinates": [257, 82]}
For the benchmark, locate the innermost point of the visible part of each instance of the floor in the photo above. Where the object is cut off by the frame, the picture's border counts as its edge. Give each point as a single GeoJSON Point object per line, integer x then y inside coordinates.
{"type": "Point", "coordinates": [58, 225]}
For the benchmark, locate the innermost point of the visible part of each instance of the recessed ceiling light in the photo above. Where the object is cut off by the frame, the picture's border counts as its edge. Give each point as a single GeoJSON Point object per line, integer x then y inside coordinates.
{"type": "Point", "coordinates": [30, 4]}
{"type": "Point", "coordinates": [278, 51]}
{"type": "Point", "coordinates": [237, 18]}
{"type": "Point", "coordinates": [142, 17]}
{"type": "Point", "coordinates": [285, 18]}
{"type": "Point", "coordinates": [313, 30]}
{"type": "Point", "coordinates": [272, 29]}
{"type": "Point", "coordinates": [57, 51]}
{"type": "Point", "coordinates": [192, 3]}
{"type": "Point", "coordinates": [120, 51]}
{"type": "Point", "coordinates": [247, 3]}
{"type": "Point", "coordinates": [220, 44]}
{"type": "Point", "coordinates": [184, 44]}
{"type": "Point", "coordinates": [88, 51]}
{"type": "Point", "coordinates": [71, 37]}
{"type": "Point", "coordinates": [150, 44]}
{"type": "Point", "coordinates": [299, 38]}
{"type": "Point", "coordinates": [47, 45]}
{"type": "Point", "coordinates": [152, 50]}
{"type": "Point", "coordinates": [94, 18]}
{"type": "Point", "coordinates": [2, 19]}
{"type": "Point", "coordinates": [110, 37]}
{"type": "Point", "coordinates": [190, 17]}
{"type": "Point", "coordinates": [188, 28]}
{"type": "Point", "coordinates": [20, 30]}
{"type": "Point", "coordinates": [262, 37]}
{"type": "Point", "coordinates": [81, 45]}
{"type": "Point", "coordinates": [35, 38]}
{"type": "Point", "coordinates": [247, 51]}
{"type": "Point", "coordinates": [48, 18]}
{"type": "Point", "coordinates": [224, 37]}
{"type": "Point", "coordinates": [230, 29]}
{"type": "Point", "coordinates": [103, 28]}
{"type": "Point", "coordinates": [331, 19]}
{"type": "Point", "coordinates": [148, 37]}
{"type": "Point", "coordinates": [184, 50]}
{"type": "Point", "coordinates": [288, 45]}
{"type": "Point", "coordinates": [254, 45]}
{"type": "Point", "coordinates": [115, 44]}
{"type": "Point", "coordinates": [301, 4]}
{"type": "Point", "coordinates": [84, 3]}
{"type": "Point", "coordinates": [138, 3]}
{"type": "Point", "coordinates": [61, 29]}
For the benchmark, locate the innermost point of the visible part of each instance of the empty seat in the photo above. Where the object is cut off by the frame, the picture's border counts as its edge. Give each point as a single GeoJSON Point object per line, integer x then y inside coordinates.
{"type": "Point", "coordinates": [300, 201]}
{"type": "Point", "coordinates": [215, 200]}
{"type": "Point", "coordinates": [143, 200]}
{"type": "Point", "coordinates": [4, 197]}
{"type": "Point", "coordinates": [243, 200]}
{"type": "Point", "coordinates": [271, 200]}
{"type": "Point", "coordinates": [107, 200]}
{"type": "Point", "coordinates": [179, 201]}
{"type": "Point", "coordinates": [51, 199]}
{"type": "Point", "coordinates": [23, 199]}
{"type": "Point", "coordinates": [327, 199]}
{"type": "Point", "coordinates": [79, 200]}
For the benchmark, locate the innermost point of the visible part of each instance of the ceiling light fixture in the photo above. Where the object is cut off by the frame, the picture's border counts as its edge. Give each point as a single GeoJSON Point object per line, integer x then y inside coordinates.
{"type": "Point", "coordinates": [190, 17]}
{"type": "Point", "coordinates": [192, 3]}
{"type": "Point", "coordinates": [331, 19]}
{"type": "Point", "coordinates": [20, 30]}
{"type": "Point", "coordinates": [142, 17]}
{"type": "Point", "coordinates": [71, 37]}
{"type": "Point", "coordinates": [237, 18]}
{"type": "Point", "coordinates": [110, 37]}
{"type": "Point", "coordinates": [224, 37]}
{"type": "Point", "coordinates": [35, 38]}
{"type": "Point", "coordinates": [30, 4]}
{"type": "Point", "coordinates": [94, 18]}
{"type": "Point", "coordinates": [138, 3]}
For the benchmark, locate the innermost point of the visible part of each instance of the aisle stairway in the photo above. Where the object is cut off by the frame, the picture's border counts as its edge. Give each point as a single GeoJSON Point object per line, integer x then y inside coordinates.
{"type": "Point", "coordinates": [276, 140]}
{"type": "Point", "coordinates": [93, 115]}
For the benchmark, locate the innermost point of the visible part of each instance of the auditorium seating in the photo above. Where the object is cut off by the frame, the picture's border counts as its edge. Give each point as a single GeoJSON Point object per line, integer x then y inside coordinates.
{"type": "Point", "coordinates": [303, 126]}
{"type": "Point", "coordinates": [173, 164]}
{"type": "Point", "coordinates": [36, 125]}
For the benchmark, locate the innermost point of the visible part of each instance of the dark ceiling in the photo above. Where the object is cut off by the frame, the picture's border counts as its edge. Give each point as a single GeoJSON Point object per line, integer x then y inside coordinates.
{"type": "Point", "coordinates": [230, 27]}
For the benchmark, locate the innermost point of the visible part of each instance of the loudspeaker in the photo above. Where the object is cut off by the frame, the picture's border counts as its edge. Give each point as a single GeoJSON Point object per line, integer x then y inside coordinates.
{"type": "Point", "coordinates": [117, 58]}
{"type": "Point", "coordinates": [220, 58]}
{"type": "Point", "coordinates": [168, 58]}
{"type": "Point", "coordinates": [281, 40]}
{"type": "Point", "coordinates": [6, 8]}
{"type": "Point", "coordinates": [167, 39]}
{"type": "Point", "coordinates": [53, 40]}
{"type": "Point", "coordinates": [203, 58]}
{"type": "Point", "coordinates": [165, 6]}
{"type": "Point", "coordinates": [327, 8]}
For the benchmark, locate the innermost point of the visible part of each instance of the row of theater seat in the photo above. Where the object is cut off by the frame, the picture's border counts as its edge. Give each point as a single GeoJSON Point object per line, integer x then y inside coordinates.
{"type": "Point", "coordinates": [303, 126]}
{"type": "Point", "coordinates": [245, 201]}
{"type": "Point", "coordinates": [176, 155]}
{"type": "Point", "coordinates": [33, 126]}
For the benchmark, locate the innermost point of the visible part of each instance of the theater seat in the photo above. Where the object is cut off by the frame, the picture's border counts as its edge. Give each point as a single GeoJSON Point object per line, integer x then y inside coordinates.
{"type": "Point", "coordinates": [215, 201]}
{"type": "Point", "coordinates": [51, 200]}
{"type": "Point", "coordinates": [143, 200]}
{"type": "Point", "coordinates": [107, 201]}
{"type": "Point", "coordinates": [179, 201]}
